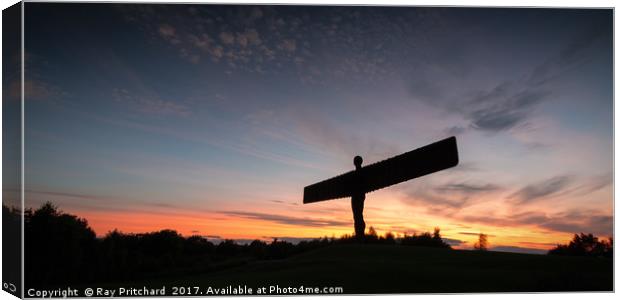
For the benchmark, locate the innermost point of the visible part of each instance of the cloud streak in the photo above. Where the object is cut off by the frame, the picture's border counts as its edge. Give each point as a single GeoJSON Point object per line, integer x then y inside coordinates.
{"type": "Point", "coordinates": [510, 102]}
{"type": "Point", "coordinates": [287, 220]}
{"type": "Point", "coordinates": [505, 110]}
{"type": "Point", "coordinates": [568, 222]}
{"type": "Point", "coordinates": [556, 186]}
{"type": "Point", "coordinates": [467, 188]}
{"type": "Point", "coordinates": [540, 190]}
{"type": "Point", "coordinates": [574, 54]}
{"type": "Point", "coordinates": [449, 198]}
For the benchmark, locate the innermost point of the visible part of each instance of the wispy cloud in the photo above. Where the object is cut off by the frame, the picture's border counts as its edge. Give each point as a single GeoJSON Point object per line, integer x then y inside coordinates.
{"type": "Point", "coordinates": [474, 233]}
{"type": "Point", "coordinates": [564, 185]}
{"type": "Point", "coordinates": [594, 183]}
{"type": "Point", "coordinates": [64, 194]}
{"type": "Point", "coordinates": [511, 102]}
{"type": "Point", "coordinates": [570, 221]}
{"type": "Point", "coordinates": [574, 54]}
{"type": "Point", "coordinates": [449, 198]}
{"type": "Point", "coordinates": [467, 188]}
{"type": "Point", "coordinates": [544, 189]}
{"type": "Point", "coordinates": [455, 130]}
{"type": "Point", "coordinates": [500, 108]}
{"type": "Point", "coordinates": [575, 222]}
{"type": "Point", "coordinates": [287, 220]}
{"type": "Point", "coordinates": [94, 202]}
{"type": "Point", "coordinates": [505, 111]}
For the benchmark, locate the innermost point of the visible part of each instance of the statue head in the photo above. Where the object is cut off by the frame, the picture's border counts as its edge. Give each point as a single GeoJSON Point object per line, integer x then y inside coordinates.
{"type": "Point", "coordinates": [357, 161]}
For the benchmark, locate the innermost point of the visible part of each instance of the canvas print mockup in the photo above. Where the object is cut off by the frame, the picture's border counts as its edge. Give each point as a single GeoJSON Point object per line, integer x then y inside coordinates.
{"type": "Point", "coordinates": [235, 150]}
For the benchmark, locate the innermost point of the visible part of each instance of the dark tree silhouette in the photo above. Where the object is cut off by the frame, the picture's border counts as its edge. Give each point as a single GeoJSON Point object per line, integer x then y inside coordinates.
{"type": "Point", "coordinates": [58, 247]}
{"type": "Point", "coordinates": [227, 248]}
{"type": "Point", "coordinates": [198, 245]}
{"type": "Point", "coordinates": [280, 249]}
{"type": "Point", "coordinates": [389, 238]}
{"type": "Point", "coordinates": [425, 239]}
{"type": "Point", "coordinates": [258, 249]}
{"type": "Point", "coordinates": [372, 236]}
{"type": "Point", "coordinates": [483, 242]}
{"type": "Point", "coordinates": [585, 245]}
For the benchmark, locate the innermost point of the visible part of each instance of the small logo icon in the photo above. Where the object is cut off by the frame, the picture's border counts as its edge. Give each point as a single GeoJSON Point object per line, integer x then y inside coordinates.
{"type": "Point", "coordinates": [9, 286]}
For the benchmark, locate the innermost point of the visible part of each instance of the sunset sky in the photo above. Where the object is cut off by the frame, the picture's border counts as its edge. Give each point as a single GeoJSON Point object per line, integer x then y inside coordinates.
{"type": "Point", "coordinates": [211, 119]}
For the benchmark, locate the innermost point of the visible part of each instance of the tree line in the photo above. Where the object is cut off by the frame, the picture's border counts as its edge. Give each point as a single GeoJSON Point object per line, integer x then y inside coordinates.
{"type": "Point", "coordinates": [61, 248]}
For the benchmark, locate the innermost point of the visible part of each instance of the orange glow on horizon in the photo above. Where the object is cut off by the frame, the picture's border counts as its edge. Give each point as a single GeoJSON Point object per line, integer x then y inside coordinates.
{"type": "Point", "coordinates": [211, 224]}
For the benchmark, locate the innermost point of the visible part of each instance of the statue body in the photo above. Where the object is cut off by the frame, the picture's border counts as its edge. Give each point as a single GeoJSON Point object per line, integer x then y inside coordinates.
{"type": "Point", "coordinates": [419, 162]}
{"type": "Point", "coordinates": [357, 199]}
{"type": "Point", "coordinates": [357, 204]}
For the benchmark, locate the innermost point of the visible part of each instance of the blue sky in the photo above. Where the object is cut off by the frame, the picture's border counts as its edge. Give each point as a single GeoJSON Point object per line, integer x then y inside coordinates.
{"type": "Point", "coordinates": [220, 115]}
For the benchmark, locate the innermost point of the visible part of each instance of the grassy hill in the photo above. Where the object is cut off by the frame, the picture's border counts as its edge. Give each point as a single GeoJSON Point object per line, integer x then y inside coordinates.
{"type": "Point", "coordinates": [362, 269]}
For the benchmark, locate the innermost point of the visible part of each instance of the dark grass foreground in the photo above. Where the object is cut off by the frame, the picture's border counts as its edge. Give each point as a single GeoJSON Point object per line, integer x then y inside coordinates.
{"type": "Point", "coordinates": [368, 269]}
